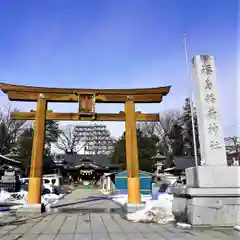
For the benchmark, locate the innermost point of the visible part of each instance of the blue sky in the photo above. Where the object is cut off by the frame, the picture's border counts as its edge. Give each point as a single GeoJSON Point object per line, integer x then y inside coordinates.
{"type": "Point", "coordinates": [119, 44]}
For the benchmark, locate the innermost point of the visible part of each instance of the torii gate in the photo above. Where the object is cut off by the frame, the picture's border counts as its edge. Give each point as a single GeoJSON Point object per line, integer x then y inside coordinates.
{"type": "Point", "coordinates": [86, 99]}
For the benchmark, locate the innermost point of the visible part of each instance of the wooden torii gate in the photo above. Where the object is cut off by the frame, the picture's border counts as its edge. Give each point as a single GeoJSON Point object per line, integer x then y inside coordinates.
{"type": "Point", "coordinates": [86, 99]}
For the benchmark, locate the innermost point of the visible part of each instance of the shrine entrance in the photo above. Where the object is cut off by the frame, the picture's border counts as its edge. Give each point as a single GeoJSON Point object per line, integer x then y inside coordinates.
{"type": "Point", "coordinates": [86, 99]}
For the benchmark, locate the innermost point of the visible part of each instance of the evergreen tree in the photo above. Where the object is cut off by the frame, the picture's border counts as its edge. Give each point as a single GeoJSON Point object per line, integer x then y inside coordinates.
{"type": "Point", "coordinates": [147, 148]}
{"type": "Point", "coordinates": [188, 130]}
{"type": "Point", "coordinates": [25, 143]}
{"type": "Point", "coordinates": [24, 147]}
{"type": "Point", "coordinates": [52, 133]}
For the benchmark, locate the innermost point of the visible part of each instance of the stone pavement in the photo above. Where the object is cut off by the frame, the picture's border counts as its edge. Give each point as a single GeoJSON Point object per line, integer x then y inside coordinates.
{"type": "Point", "coordinates": [100, 220]}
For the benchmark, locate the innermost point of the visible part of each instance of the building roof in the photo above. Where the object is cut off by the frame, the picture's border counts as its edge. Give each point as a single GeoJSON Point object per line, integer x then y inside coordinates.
{"type": "Point", "coordinates": [141, 173]}
{"type": "Point", "coordinates": [233, 152]}
{"type": "Point", "coordinates": [159, 157]}
{"type": "Point", "coordinates": [8, 158]}
{"type": "Point", "coordinates": [181, 163]}
{"type": "Point", "coordinates": [76, 160]}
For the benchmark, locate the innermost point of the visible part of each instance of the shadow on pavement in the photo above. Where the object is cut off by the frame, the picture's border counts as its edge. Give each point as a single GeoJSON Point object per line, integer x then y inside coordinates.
{"type": "Point", "coordinates": [66, 207]}
{"type": "Point", "coordinates": [91, 210]}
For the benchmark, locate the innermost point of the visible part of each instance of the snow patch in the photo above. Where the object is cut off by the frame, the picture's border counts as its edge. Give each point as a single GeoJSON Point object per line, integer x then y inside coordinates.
{"type": "Point", "coordinates": [16, 200]}
{"type": "Point", "coordinates": [159, 210]}
{"type": "Point", "coordinates": [237, 228]}
{"type": "Point", "coordinates": [184, 225]}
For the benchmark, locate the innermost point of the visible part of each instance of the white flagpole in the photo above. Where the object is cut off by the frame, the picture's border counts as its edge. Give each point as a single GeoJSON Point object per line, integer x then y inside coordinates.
{"type": "Point", "coordinates": [190, 98]}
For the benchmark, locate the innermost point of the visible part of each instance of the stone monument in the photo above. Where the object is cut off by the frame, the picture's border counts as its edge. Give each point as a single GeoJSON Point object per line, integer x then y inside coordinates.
{"type": "Point", "coordinates": [212, 194]}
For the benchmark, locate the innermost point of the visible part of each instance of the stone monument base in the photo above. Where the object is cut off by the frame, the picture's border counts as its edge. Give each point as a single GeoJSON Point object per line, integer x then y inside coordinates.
{"type": "Point", "coordinates": [213, 177]}
{"type": "Point", "coordinates": [215, 207]}
{"type": "Point", "coordinates": [211, 197]}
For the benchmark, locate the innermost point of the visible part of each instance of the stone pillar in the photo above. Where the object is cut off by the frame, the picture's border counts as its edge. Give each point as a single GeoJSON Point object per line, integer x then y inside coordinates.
{"type": "Point", "coordinates": [108, 183]}
{"type": "Point", "coordinates": [104, 183]}
{"type": "Point", "coordinates": [212, 196]}
{"type": "Point", "coordinates": [208, 112]}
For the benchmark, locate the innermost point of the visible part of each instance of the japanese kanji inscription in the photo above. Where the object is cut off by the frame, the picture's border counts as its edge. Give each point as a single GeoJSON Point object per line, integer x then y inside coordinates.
{"type": "Point", "coordinates": [207, 106]}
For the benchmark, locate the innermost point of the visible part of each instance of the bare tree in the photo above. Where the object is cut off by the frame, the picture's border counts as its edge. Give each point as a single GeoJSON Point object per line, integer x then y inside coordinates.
{"type": "Point", "coordinates": [166, 129]}
{"type": "Point", "coordinates": [69, 140]}
{"type": "Point", "coordinates": [9, 129]}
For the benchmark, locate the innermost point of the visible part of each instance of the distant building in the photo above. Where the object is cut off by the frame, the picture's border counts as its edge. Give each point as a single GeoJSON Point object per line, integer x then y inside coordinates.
{"type": "Point", "coordinates": [96, 137]}
{"type": "Point", "coordinates": [233, 150]}
{"type": "Point", "coordinates": [233, 157]}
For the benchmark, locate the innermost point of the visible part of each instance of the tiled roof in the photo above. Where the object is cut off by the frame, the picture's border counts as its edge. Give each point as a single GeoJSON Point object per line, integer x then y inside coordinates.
{"type": "Point", "coordinates": [8, 159]}
{"type": "Point", "coordinates": [77, 159]}
{"type": "Point", "coordinates": [182, 163]}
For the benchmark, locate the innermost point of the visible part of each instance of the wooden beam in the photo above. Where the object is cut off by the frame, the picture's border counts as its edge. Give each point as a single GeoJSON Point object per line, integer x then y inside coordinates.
{"type": "Point", "coordinates": [158, 90]}
{"type": "Point", "coordinates": [35, 182]}
{"type": "Point", "coordinates": [63, 97]}
{"type": "Point", "coordinates": [32, 97]}
{"type": "Point", "coordinates": [75, 117]}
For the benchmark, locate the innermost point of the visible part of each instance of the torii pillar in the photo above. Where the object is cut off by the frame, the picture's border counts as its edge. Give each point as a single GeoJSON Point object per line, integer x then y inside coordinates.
{"type": "Point", "coordinates": [35, 180]}
{"type": "Point", "coordinates": [134, 196]}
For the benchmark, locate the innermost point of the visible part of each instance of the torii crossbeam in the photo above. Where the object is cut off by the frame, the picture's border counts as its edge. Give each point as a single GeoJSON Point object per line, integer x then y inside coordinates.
{"type": "Point", "coordinates": [86, 99]}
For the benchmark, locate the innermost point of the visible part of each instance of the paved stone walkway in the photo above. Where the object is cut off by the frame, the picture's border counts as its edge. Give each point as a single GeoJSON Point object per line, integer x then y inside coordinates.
{"type": "Point", "coordinates": [90, 220]}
